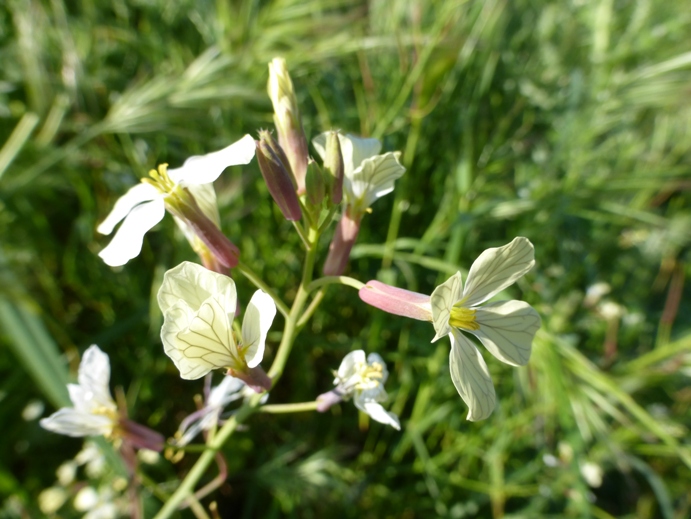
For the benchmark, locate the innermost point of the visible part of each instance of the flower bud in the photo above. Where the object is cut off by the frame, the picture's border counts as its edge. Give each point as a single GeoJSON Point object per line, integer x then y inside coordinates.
{"type": "Point", "coordinates": [277, 177]}
{"type": "Point", "coordinates": [255, 378]}
{"type": "Point", "coordinates": [140, 436]}
{"type": "Point", "coordinates": [344, 239]}
{"type": "Point", "coordinates": [333, 164]}
{"type": "Point", "coordinates": [291, 136]}
{"type": "Point", "coordinates": [314, 184]}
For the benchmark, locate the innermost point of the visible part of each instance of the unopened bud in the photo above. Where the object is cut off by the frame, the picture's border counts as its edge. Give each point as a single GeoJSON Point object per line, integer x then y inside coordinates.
{"type": "Point", "coordinates": [291, 136]}
{"type": "Point", "coordinates": [277, 177]}
{"type": "Point", "coordinates": [333, 164]}
{"type": "Point", "coordinates": [255, 378]}
{"type": "Point", "coordinates": [315, 184]}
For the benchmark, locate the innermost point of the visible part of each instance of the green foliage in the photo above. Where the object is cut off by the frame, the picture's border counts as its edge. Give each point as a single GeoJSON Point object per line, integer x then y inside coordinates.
{"type": "Point", "coordinates": [566, 122]}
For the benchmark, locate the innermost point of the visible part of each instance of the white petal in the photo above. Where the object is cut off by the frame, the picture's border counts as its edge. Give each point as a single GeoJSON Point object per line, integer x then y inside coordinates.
{"type": "Point", "coordinates": [377, 412]}
{"type": "Point", "coordinates": [497, 268]}
{"type": "Point", "coordinates": [373, 179]}
{"type": "Point", "coordinates": [135, 196]}
{"type": "Point", "coordinates": [94, 376]}
{"type": "Point", "coordinates": [470, 375]}
{"type": "Point", "coordinates": [204, 169]}
{"type": "Point", "coordinates": [354, 150]}
{"type": "Point", "coordinates": [259, 315]}
{"type": "Point", "coordinates": [507, 329]}
{"type": "Point", "coordinates": [350, 365]}
{"type": "Point", "coordinates": [198, 342]}
{"type": "Point", "coordinates": [442, 300]}
{"type": "Point", "coordinates": [128, 240]}
{"type": "Point", "coordinates": [194, 284]}
{"type": "Point", "coordinates": [71, 422]}
{"type": "Point", "coordinates": [225, 392]}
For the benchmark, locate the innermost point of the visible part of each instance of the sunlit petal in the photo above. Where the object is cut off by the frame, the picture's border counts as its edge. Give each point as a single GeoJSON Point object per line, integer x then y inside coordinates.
{"type": "Point", "coordinates": [136, 195]}
{"type": "Point", "coordinates": [259, 315]}
{"type": "Point", "coordinates": [203, 169]}
{"type": "Point", "coordinates": [497, 268]}
{"type": "Point", "coordinates": [94, 376]}
{"type": "Point", "coordinates": [194, 284]}
{"type": "Point", "coordinates": [128, 240]}
{"type": "Point", "coordinates": [442, 300]}
{"type": "Point", "coordinates": [470, 375]}
{"type": "Point", "coordinates": [507, 329]}
{"type": "Point", "coordinates": [377, 412]}
{"type": "Point", "coordinates": [354, 149]}
{"type": "Point", "coordinates": [350, 364]}
{"type": "Point", "coordinates": [373, 179]}
{"type": "Point", "coordinates": [72, 422]}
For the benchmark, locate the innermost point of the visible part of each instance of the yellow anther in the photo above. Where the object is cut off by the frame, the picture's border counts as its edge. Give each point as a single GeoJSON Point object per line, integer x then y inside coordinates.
{"type": "Point", "coordinates": [463, 318]}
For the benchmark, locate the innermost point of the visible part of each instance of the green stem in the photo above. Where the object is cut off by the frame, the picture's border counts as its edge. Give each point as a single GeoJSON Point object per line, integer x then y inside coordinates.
{"type": "Point", "coordinates": [316, 301]}
{"type": "Point", "coordinates": [301, 232]}
{"type": "Point", "coordinates": [330, 280]}
{"type": "Point", "coordinates": [288, 408]}
{"type": "Point", "coordinates": [259, 283]}
{"type": "Point", "coordinates": [291, 328]}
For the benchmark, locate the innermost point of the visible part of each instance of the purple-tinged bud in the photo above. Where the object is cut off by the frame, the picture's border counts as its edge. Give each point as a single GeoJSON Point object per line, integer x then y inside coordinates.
{"type": "Point", "coordinates": [341, 244]}
{"type": "Point", "coordinates": [333, 164]}
{"type": "Point", "coordinates": [397, 301]}
{"type": "Point", "coordinates": [291, 136]}
{"type": "Point", "coordinates": [314, 181]}
{"type": "Point", "coordinates": [255, 378]}
{"type": "Point", "coordinates": [277, 177]}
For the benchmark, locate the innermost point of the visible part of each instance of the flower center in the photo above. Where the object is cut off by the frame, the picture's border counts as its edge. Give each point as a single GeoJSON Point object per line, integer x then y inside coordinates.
{"type": "Point", "coordinates": [463, 318]}
{"type": "Point", "coordinates": [370, 376]}
{"type": "Point", "coordinates": [160, 180]}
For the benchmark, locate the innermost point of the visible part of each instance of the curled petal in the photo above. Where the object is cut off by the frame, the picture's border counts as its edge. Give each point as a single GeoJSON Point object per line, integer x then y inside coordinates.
{"type": "Point", "coordinates": [397, 301]}
{"type": "Point", "coordinates": [442, 300]}
{"type": "Point", "coordinates": [497, 268]}
{"type": "Point", "coordinates": [353, 149]}
{"type": "Point", "coordinates": [94, 376]}
{"type": "Point", "coordinates": [204, 169]}
{"type": "Point", "coordinates": [373, 179]}
{"type": "Point", "coordinates": [350, 365]}
{"type": "Point", "coordinates": [470, 375]}
{"type": "Point", "coordinates": [259, 315]}
{"type": "Point", "coordinates": [377, 412]}
{"type": "Point", "coordinates": [73, 422]}
{"type": "Point", "coordinates": [136, 195]}
{"type": "Point", "coordinates": [507, 329]}
{"type": "Point", "coordinates": [128, 240]}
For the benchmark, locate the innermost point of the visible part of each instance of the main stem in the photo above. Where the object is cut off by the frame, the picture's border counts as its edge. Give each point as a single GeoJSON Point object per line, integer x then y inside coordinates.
{"type": "Point", "coordinates": [290, 330]}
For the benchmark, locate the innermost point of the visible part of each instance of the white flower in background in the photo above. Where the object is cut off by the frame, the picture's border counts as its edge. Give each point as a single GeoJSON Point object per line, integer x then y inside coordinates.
{"type": "Point", "coordinates": [97, 504]}
{"type": "Point", "coordinates": [505, 328]}
{"type": "Point", "coordinates": [144, 205]}
{"type": "Point", "coordinates": [367, 174]}
{"type": "Point", "coordinates": [198, 308]}
{"type": "Point", "coordinates": [229, 390]}
{"type": "Point", "coordinates": [94, 412]}
{"type": "Point", "coordinates": [362, 379]}
{"type": "Point", "coordinates": [51, 499]}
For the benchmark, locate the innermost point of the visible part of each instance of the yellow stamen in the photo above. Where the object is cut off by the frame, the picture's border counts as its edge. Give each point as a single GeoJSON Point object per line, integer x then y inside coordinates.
{"type": "Point", "coordinates": [160, 179]}
{"type": "Point", "coordinates": [370, 376]}
{"type": "Point", "coordinates": [463, 318]}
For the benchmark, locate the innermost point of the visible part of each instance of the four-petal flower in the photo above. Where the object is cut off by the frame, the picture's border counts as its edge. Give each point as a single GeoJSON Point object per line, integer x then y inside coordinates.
{"type": "Point", "coordinates": [505, 328]}
{"type": "Point", "coordinates": [198, 308]}
{"type": "Point", "coordinates": [362, 379]}
{"type": "Point", "coordinates": [144, 205]}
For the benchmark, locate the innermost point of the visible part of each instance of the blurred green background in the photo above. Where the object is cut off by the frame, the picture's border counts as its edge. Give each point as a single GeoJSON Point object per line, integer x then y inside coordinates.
{"type": "Point", "coordinates": [566, 122]}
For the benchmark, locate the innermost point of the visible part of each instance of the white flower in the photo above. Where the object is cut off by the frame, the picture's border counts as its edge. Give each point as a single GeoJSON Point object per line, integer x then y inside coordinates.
{"type": "Point", "coordinates": [143, 206]}
{"type": "Point", "coordinates": [505, 328]}
{"type": "Point", "coordinates": [363, 380]}
{"type": "Point", "coordinates": [198, 308]}
{"type": "Point", "coordinates": [94, 412]}
{"type": "Point", "coordinates": [229, 390]}
{"type": "Point", "coordinates": [367, 175]}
